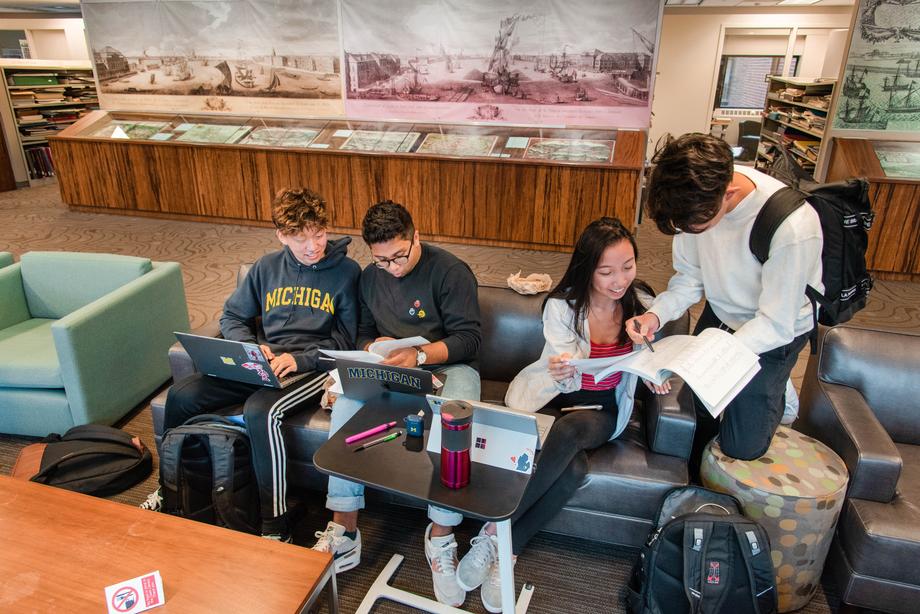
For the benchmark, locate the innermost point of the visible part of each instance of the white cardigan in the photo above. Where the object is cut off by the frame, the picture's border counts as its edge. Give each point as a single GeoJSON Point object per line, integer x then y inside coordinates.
{"type": "Point", "coordinates": [533, 387]}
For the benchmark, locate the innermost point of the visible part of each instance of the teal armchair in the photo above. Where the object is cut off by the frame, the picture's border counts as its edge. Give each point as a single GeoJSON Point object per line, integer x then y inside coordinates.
{"type": "Point", "coordinates": [6, 258]}
{"type": "Point", "coordinates": [83, 337]}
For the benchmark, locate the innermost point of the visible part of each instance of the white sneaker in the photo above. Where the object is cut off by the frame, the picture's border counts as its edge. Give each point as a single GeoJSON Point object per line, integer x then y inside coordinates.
{"type": "Point", "coordinates": [791, 405]}
{"type": "Point", "coordinates": [346, 552]}
{"type": "Point", "coordinates": [154, 502]}
{"type": "Point", "coordinates": [491, 593]}
{"type": "Point", "coordinates": [441, 553]}
{"type": "Point", "coordinates": [279, 537]}
{"type": "Point", "coordinates": [474, 568]}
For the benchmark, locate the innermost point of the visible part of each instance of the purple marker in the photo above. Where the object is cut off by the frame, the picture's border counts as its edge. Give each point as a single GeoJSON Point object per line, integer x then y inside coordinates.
{"type": "Point", "coordinates": [363, 435]}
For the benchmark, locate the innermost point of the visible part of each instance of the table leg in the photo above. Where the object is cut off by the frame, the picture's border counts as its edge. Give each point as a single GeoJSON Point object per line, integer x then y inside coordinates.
{"type": "Point", "coordinates": [332, 594]}
{"type": "Point", "coordinates": [380, 589]}
{"type": "Point", "coordinates": [506, 569]}
{"type": "Point", "coordinates": [327, 585]}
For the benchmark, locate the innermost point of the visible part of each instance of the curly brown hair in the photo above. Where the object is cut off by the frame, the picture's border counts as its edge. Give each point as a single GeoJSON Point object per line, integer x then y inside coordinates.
{"type": "Point", "coordinates": [689, 177]}
{"type": "Point", "coordinates": [295, 209]}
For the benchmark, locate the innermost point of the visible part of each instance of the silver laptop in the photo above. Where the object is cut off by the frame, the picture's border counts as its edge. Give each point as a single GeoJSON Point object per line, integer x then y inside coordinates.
{"type": "Point", "coordinates": [234, 360]}
{"type": "Point", "coordinates": [501, 417]}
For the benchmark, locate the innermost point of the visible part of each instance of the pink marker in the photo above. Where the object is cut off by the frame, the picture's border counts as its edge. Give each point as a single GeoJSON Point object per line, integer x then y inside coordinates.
{"type": "Point", "coordinates": [377, 429]}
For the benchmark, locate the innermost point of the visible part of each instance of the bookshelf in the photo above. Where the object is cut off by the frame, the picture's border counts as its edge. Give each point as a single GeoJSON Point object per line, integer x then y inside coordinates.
{"type": "Point", "coordinates": [795, 117]}
{"type": "Point", "coordinates": [42, 100]}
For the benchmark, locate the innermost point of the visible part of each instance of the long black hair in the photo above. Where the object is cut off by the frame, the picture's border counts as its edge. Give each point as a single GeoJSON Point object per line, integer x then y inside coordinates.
{"type": "Point", "coordinates": [575, 285]}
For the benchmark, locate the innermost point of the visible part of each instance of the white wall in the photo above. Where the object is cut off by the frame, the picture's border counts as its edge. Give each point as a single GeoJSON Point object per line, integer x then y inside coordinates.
{"type": "Point", "coordinates": [51, 39]}
{"type": "Point", "coordinates": [688, 58]}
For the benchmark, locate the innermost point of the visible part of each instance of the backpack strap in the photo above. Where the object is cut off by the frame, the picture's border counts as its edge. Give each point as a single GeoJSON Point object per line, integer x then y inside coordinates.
{"type": "Point", "coordinates": [696, 534]}
{"type": "Point", "coordinates": [758, 563]}
{"type": "Point", "coordinates": [774, 212]}
{"type": "Point", "coordinates": [170, 461]}
{"type": "Point", "coordinates": [223, 463]}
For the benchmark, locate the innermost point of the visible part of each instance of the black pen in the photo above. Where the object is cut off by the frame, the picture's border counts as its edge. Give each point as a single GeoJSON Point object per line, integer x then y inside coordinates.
{"type": "Point", "coordinates": [389, 437]}
{"type": "Point", "coordinates": [638, 329]}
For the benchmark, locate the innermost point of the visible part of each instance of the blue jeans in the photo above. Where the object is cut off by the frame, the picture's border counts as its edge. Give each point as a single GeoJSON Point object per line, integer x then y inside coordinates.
{"type": "Point", "coordinates": [344, 496]}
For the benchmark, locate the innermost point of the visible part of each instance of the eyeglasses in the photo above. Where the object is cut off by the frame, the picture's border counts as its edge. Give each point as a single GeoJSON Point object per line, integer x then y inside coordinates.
{"type": "Point", "coordinates": [384, 263]}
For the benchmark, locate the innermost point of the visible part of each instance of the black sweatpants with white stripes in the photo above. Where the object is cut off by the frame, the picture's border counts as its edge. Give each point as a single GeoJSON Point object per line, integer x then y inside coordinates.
{"type": "Point", "coordinates": [263, 409]}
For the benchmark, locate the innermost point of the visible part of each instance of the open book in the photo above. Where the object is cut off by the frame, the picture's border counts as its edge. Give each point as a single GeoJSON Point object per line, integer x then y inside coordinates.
{"type": "Point", "coordinates": [375, 353]}
{"type": "Point", "coordinates": [714, 364]}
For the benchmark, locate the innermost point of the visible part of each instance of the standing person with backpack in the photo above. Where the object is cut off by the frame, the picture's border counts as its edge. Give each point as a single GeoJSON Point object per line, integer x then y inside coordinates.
{"type": "Point", "coordinates": [697, 194]}
{"type": "Point", "coordinates": [306, 297]}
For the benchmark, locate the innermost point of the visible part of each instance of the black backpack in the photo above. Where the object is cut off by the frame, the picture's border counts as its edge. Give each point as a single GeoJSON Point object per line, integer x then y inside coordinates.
{"type": "Point", "coordinates": [846, 217]}
{"type": "Point", "coordinates": [206, 474]}
{"type": "Point", "coordinates": [91, 458]}
{"type": "Point", "coordinates": [703, 557]}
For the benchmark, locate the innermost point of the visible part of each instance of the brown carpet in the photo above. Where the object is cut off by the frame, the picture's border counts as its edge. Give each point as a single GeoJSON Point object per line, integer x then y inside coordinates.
{"type": "Point", "coordinates": [570, 575]}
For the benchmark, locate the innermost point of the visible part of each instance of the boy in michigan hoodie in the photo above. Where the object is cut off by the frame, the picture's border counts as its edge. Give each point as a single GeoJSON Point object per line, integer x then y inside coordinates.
{"type": "Point", "coordinates": [306, 295]}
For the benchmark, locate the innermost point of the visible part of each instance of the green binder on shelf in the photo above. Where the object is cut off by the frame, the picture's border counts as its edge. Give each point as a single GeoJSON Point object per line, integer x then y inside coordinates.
{"type": "Point", "coordinates": [34, 79]}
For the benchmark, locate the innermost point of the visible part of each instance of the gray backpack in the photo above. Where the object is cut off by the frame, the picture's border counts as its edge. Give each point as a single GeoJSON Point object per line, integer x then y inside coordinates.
{"type": "Point", "coordinates": [206, 474]}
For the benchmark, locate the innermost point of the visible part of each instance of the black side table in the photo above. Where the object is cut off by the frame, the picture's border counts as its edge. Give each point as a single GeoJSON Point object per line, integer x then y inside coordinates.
{"type": "Point", "coordinates": [492, 495]}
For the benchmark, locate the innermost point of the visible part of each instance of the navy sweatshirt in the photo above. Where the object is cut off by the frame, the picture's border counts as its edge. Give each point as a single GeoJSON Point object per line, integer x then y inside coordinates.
{"type": "Point", "coordinates": [303, 307]}
{"type": "Point", "coordinates": [438, 300]}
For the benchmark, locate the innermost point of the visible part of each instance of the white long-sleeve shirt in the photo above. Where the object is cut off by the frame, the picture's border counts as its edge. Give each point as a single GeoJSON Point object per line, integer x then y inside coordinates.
{"type": "Point", "coordinates": [765, 305]}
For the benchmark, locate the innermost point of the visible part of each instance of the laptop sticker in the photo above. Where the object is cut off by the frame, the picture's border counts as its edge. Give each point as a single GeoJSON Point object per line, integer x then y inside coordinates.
{"type": "Point", "coordinates": [259, 369]}
{"type": "Point", "coordinates": [227, 361]}
{"type": "Point", "coordinates": [253, 352]}
{"type": "Point", "coordinates": [522, 462]}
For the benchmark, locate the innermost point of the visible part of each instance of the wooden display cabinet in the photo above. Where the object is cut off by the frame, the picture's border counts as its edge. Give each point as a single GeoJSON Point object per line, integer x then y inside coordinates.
{"type": "Point", "coordinates": [893, 171]}
{"type": "Point", "coordinates": [488, 185]}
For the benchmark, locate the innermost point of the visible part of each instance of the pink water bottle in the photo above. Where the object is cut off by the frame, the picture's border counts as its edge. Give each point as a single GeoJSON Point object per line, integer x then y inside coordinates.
{"type": "Point", "coordinates": [456, 438]}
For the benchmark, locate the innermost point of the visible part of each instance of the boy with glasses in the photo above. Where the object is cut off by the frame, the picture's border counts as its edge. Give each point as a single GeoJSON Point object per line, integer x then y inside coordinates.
{"type": "Point", "coordinates": [411, 289]}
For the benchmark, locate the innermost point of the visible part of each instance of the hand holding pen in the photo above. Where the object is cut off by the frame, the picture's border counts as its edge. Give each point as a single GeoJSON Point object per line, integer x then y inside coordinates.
{"type": "Point", "coordinates": [640, 328]}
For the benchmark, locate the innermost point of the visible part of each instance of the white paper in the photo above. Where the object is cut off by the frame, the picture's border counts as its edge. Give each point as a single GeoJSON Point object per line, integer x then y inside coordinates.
{"type": "Point", "coordinates": [342, 133]}
{"type": "Point", "coordinates": [517, 142]}
{"type": "Point", "coordinates": [354, 355]}
{"type": "Point", "coordinates": [385, 348]}
{"type": "Point", "coordinates": [336, 387]}
{"type": "Point", "coordinates": [714, 364]}
{"type": "Point", "coordinates": [135, 595]}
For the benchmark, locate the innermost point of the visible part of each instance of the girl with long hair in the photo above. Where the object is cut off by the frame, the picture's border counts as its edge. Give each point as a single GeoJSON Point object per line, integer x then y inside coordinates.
{"type": "Point", "coordinates": [583, 317]}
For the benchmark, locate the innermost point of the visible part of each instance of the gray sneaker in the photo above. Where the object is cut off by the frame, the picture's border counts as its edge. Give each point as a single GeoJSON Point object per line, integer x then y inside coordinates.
{"type": "Point", "coordinates": [491, 593]}
{"type": "Point", "coordinates": [154, 502]}
{"type": "Point", "coordinates": [474, 568]}
{"type": "Point", "coordinates": [441, 553]}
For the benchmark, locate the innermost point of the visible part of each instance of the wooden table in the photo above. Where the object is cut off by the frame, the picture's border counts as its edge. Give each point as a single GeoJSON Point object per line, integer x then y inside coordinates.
{"type": "Point", "coordinates": [59, 550]}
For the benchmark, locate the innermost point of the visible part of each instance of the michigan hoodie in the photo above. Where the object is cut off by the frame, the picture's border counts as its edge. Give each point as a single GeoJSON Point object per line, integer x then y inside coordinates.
{"type": "Point", "coordinates": [303, 307]}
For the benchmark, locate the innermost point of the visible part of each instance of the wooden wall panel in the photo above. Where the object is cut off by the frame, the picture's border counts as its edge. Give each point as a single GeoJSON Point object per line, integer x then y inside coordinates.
{"type": "Point", "coordinates": [89, 174]}
{"type": "Point", "coordinates": [488, 202]}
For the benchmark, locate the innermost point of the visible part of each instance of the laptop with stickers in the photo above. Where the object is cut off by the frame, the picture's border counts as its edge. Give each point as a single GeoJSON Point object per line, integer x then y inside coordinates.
{"type": "Point", "coordinates": [233, 360]}
{"type": "Point", "coordinates": [502, 437]}
{"type": "Point", "coordinates": [365, 380]}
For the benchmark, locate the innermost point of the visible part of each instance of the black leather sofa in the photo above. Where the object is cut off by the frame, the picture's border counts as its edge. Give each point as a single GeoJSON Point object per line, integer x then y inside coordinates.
{"type": "Point", "coordinates": [861, 396]}
{"type": "Point", "coordinates": [627, 477]}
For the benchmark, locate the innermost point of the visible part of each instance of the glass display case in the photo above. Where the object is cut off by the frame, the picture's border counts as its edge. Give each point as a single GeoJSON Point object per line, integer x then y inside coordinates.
{"type": "Point", "coordinates": [898, 159]}
{"type": "Point", "coordinates": [583, 146]}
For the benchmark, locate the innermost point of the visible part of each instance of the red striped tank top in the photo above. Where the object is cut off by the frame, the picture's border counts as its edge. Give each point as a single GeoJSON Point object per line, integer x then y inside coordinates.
{"type": "Point", "coordinates": [599, 350]}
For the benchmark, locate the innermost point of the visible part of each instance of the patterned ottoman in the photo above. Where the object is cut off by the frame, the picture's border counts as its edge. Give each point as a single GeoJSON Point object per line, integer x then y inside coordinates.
{"type": "Point", "coordinates": [795, 491]}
